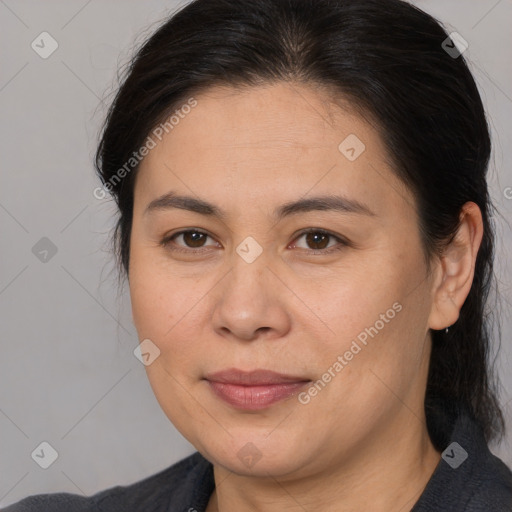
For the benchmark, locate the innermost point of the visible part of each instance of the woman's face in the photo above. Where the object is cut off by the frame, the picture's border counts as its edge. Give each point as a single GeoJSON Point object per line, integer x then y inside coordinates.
{"type": "Point", "coordinates": [344, 315]}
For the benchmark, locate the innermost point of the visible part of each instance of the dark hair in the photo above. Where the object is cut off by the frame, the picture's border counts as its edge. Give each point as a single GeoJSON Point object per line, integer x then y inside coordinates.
{"type": "Point", "coordinates": [387, 58]}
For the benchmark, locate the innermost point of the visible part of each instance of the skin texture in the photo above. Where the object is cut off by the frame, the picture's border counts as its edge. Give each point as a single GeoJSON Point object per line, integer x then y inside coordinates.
{"type": "Point", "coordinates": [361, 443]}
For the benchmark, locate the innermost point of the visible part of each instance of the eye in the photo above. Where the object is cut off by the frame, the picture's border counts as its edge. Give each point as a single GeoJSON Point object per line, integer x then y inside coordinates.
{"type": "Point", "coordinates": [192, 238]}
{"type": "Point", "coordinates": [319, 239]}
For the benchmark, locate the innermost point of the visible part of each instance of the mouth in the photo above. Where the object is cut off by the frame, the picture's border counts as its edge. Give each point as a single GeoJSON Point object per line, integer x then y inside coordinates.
{"type": "Point", "coordinates": [254, 390]}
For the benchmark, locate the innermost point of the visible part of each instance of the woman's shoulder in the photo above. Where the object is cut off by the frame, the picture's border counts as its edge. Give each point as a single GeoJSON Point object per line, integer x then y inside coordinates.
{"type": "Point", "coordinates": [493, 486]}
{"type": "Point", "coordinates": [469, 477]}
{"type": "Point", "coordinates": [175, 484]}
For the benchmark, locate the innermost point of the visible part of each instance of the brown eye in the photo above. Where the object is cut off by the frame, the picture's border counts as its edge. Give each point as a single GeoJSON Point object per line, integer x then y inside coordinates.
{"type": "Point", "coordinates": [189, 240]}
{"type": "Point", "coordinates": [317, 241]}
{"type": "Point", "coordinates": [194, 238]}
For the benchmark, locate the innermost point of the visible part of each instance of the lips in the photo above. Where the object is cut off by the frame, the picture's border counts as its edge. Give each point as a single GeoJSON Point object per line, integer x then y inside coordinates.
{"type": "Point", "coordinates": [254, 390]}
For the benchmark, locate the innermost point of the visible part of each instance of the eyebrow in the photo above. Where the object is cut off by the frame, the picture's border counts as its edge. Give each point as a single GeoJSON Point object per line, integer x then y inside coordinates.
{"type": "Point", "coordinates": [324, 203]}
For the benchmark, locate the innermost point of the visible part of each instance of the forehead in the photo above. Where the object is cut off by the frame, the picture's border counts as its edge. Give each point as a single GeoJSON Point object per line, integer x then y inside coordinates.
{"type": "Point", "coordinates": [280, 115]}
{"type": "Point", "coordinates": [264, 142]}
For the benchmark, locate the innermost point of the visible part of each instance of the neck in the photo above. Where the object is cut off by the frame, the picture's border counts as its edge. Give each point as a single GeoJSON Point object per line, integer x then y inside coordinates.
{"type": "Point", "coordinates": [388, 474]}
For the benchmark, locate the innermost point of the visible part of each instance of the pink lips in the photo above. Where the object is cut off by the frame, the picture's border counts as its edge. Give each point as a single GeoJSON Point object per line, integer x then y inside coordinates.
{"type": "Point", "coordinates": [253, 390]}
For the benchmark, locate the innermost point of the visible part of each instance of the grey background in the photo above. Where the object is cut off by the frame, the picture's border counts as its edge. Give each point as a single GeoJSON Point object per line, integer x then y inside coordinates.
{"type": "Point", "coordinates": [68, 375]}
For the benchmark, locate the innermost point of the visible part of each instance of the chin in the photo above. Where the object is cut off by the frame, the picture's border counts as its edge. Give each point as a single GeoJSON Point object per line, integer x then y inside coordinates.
{"type": "Point", "coordinates": [260, 457]}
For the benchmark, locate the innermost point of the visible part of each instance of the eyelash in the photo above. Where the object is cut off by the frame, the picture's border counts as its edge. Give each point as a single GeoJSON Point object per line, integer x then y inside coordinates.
{"type": "Point", "coordinates": [343, 243]}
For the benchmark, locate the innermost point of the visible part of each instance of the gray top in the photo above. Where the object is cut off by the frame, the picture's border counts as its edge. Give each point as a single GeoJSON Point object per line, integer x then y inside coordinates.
{"type": "Point", "coordinates": [468, 478]}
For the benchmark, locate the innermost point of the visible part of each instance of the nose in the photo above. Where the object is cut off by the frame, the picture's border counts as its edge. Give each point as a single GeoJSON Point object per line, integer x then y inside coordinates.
{"type": "Point", "coordinates": [251, 303]}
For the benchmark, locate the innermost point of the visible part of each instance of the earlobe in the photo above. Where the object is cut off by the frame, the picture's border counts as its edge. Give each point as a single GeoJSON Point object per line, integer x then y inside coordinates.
{"type": "Point", "coordinates": [456, 268]}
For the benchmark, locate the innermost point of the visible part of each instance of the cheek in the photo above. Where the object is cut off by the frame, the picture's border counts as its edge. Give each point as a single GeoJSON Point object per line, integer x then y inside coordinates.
{"type": "Point", "coordinates": [354, 299]}
{"type": "Point", "coordinates": [167, 310]}
{"type": "Point", "coordinates": [153, 300]}
{"type": "Point", "coordinates": [158, 309]}
{"type": "Point", "coordinates": [376, 315]}
{"type": "Point", "coordinates": [148, 305]}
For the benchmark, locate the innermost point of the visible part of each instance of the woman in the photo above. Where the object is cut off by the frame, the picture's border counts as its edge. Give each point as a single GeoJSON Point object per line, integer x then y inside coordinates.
{"type": "Point", "coordinates": [306, 231]}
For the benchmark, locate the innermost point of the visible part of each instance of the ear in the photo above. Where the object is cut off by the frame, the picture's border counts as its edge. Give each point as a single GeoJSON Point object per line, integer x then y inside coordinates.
{"type": "Point", "coordinates": [456, 269]}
